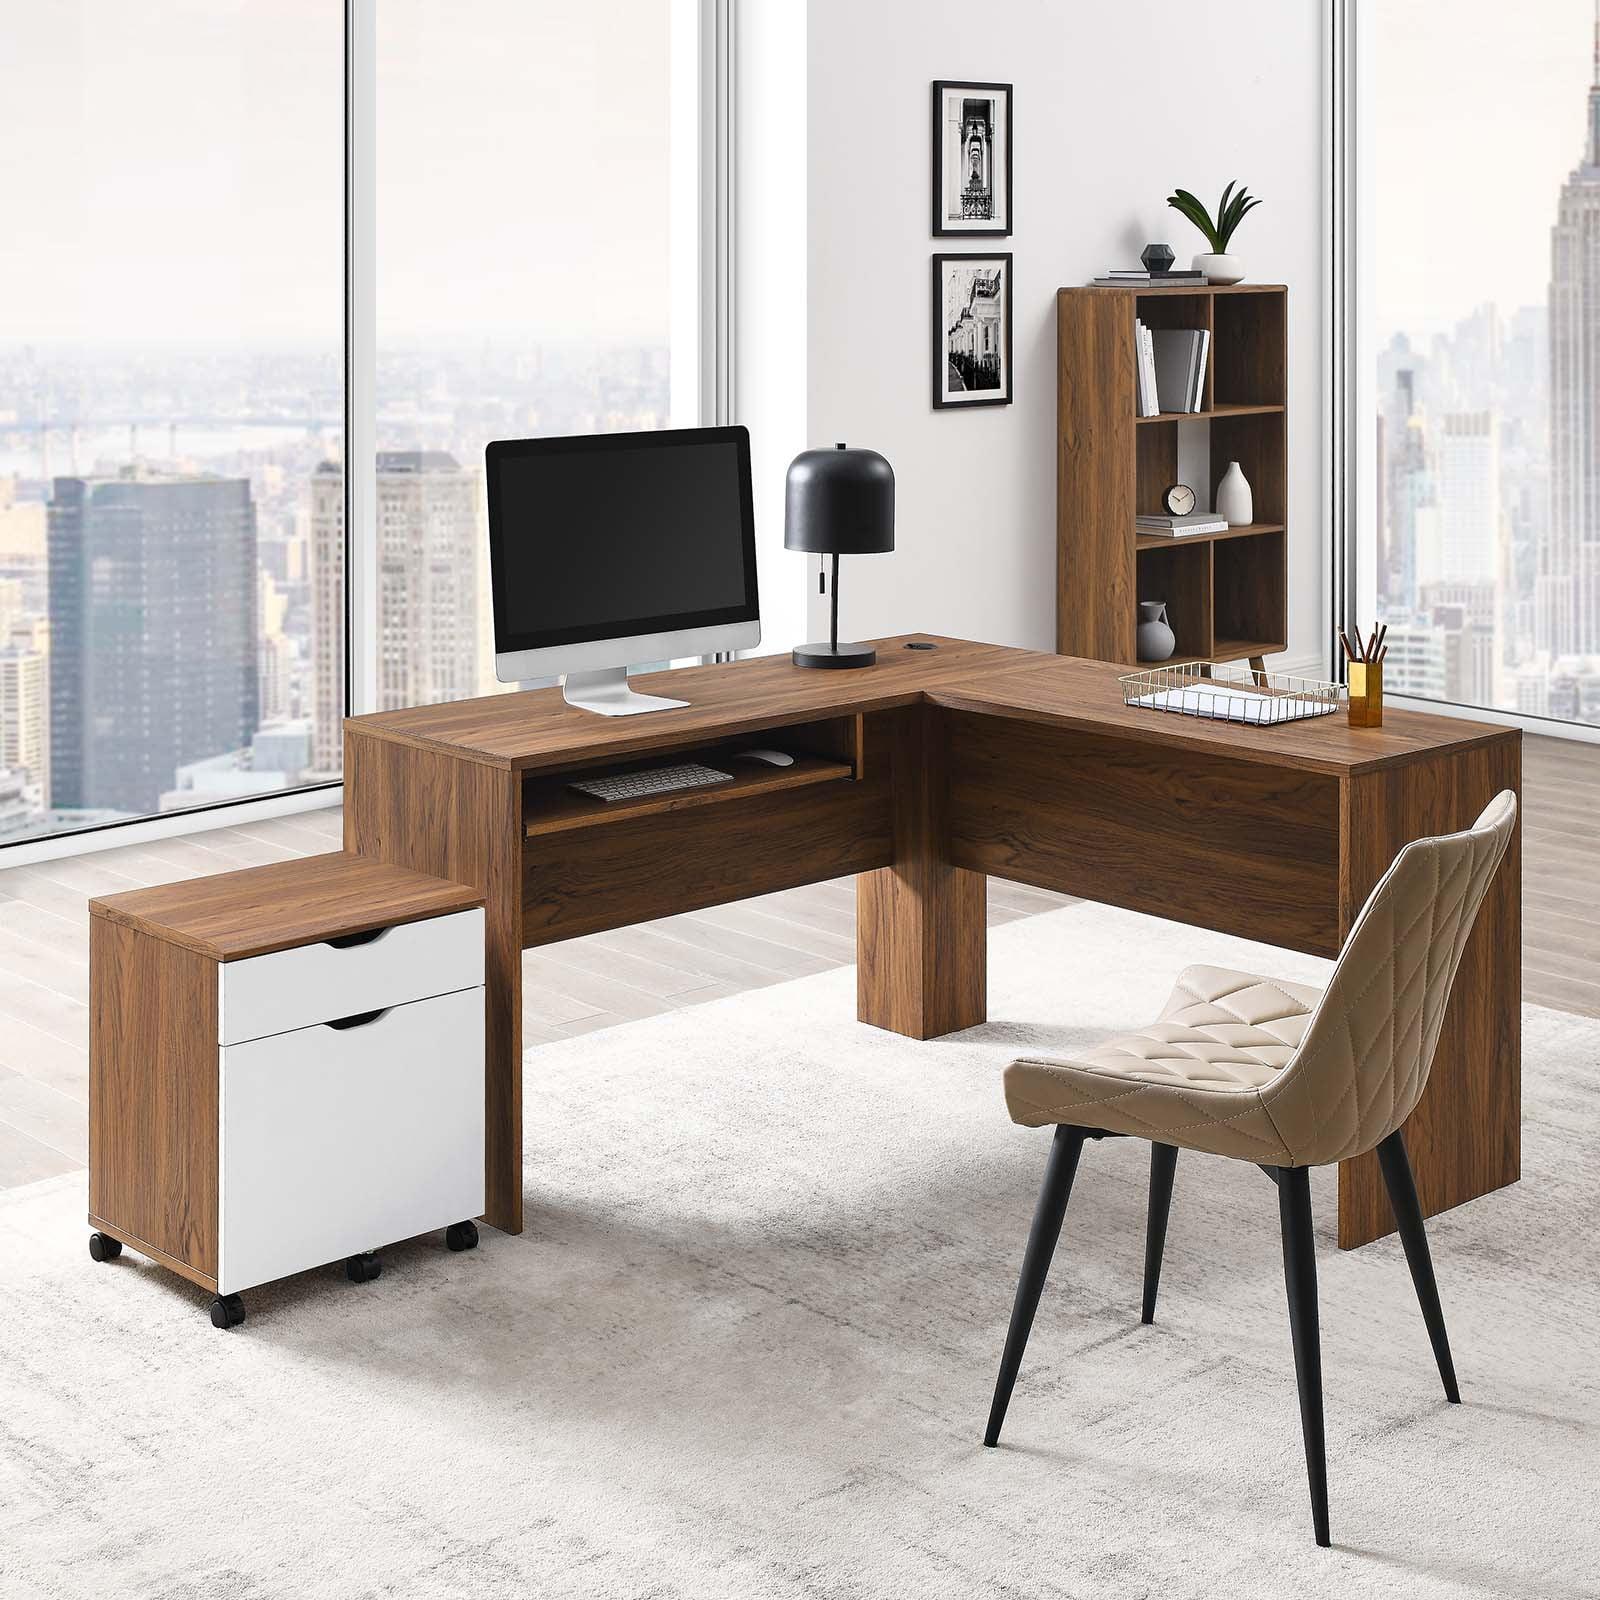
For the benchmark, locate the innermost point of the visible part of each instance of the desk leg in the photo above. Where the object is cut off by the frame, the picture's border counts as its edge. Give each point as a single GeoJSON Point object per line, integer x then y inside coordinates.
{"type": "Point", "coordinates": [1464, 1137]}
{"type": "Point", "coordinates": [921, 938]}
{"type": "Point", "coordinates": [462, 821]}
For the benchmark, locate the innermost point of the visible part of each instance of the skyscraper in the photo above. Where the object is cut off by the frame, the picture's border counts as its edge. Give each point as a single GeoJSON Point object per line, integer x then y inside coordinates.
{"type": "Point", "coordinates": [25, 701]}
{"type": "Point", "coordinates": [22, 542]}
{"type": "Point", "coordinates": [429, 549]}
{"type": "Point", "coordinates": [1469, 499]}
{"type": "Point", "coordinates": [430, 594]}
{"type": "Point", "coordinates": [153, 649]}
{"type": "Point", "coordinates": [327, 618]}
{"type": "Point", "coordinates": [1408, 489]}
{"type": "Point", "coordinates": [1567, 587]}
{"type": "Point", "coordinates": [275, 670]}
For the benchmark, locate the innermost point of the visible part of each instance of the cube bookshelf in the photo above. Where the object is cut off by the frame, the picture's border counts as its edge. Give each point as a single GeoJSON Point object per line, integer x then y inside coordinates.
{"type": "Point", "coordinates": [1226, 593]}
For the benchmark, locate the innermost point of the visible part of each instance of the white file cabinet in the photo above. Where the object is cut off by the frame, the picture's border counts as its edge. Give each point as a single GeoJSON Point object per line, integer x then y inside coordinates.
{"type": "Point", "coordinates": [286, 1069]}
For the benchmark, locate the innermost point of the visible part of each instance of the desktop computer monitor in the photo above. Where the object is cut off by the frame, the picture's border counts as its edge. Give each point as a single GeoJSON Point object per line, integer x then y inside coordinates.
{"type": "Point", "coordinates": [611, 550]}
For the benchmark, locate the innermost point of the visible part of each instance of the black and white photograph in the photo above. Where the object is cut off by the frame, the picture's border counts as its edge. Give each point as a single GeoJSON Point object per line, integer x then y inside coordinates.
{"type": "Point", "coordinates": [971, 160]}
{"type": "Point", "coordinates": [972, 330]}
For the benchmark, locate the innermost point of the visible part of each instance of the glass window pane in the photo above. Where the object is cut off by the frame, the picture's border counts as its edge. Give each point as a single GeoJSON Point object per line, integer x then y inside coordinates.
{"type": "Point", "coordinates": [170, 388]}
{"type": "Point", "coordinates": [524, 284]}
{"type": "Point", "coordinates": [1484, 183]}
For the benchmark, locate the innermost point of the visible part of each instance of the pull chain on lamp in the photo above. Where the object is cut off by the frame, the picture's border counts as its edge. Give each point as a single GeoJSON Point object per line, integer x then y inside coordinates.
{"type": "Point", "coordinates": [838, 502]}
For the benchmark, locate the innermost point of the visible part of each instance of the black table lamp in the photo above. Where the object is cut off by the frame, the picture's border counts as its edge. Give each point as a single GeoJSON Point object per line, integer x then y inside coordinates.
{"type": "Point", "coordinates": [838, 502]}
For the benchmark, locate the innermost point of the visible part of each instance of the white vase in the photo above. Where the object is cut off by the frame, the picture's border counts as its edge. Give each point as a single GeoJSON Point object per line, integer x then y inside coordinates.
{"type": "Point", "coordinates": [1219, 268]}
{"type": "Point", "coordinates": [1235, 504]}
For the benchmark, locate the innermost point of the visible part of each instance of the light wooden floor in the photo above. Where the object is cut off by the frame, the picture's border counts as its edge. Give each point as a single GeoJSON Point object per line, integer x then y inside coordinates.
{"type": "Point", "coordinates": [607, 978]}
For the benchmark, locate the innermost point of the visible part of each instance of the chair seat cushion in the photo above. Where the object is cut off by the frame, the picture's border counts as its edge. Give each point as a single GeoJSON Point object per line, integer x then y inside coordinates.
{"type": "Point", "coordinates": [1193, 1079]}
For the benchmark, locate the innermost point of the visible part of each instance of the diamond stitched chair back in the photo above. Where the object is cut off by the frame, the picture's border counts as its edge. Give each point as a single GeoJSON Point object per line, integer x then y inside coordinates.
{"type": "Point", "coordinates": [1364, 1060]}
{"type": "Point", "coordinates": [1282, 1075]}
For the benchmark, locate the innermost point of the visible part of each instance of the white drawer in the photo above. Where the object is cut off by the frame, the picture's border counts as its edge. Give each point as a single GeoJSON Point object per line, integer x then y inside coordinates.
{"type": "Point", "coordinates": [321, 982]}
{"type": "Point", "coordinates": [339, 1140]}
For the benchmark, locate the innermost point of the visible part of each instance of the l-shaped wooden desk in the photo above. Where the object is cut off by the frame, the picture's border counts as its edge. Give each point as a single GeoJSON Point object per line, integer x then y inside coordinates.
{"type": "Point", "coordinates": [922, 775]}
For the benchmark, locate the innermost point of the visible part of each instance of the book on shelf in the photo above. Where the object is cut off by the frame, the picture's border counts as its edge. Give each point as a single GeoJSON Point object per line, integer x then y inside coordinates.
{"type": "Point", "coordinates": [1145, 367]}
{"type": "Point", "coordinates": [1170, 527]}
{"type": "Point", "coordinates": [1197, 387]}
{"type": "Point", "coordinates": [1178, 360]}
{"type": "Point", "coordinates": [1138, 275]}
{"type": "Point", "coordinates": [1174, 519]}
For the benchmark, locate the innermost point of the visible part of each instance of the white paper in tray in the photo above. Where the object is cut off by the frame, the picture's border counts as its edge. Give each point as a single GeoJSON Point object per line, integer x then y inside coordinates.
{"type": "Point", "coordinates": [1233, 703]}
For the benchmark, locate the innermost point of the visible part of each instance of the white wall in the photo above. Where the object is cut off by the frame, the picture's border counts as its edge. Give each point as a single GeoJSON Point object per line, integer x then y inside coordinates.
{"type": "Point", "coordinates": [1114, 105]}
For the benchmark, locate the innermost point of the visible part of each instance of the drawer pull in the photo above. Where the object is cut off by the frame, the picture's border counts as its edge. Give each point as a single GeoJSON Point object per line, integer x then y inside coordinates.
{"type": "Point", "coordinates": [360, 1018]}
{"type": "Point", "coordinates": [348, 941]}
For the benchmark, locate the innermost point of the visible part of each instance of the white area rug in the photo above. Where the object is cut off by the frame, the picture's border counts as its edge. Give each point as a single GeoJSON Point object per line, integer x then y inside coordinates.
{"type": "Point", "coordinates": [747, 1344]}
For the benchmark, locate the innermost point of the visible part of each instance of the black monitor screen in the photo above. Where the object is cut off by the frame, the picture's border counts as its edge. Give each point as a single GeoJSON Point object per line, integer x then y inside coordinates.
{"type": "Point", "coordinates": [611, 535]}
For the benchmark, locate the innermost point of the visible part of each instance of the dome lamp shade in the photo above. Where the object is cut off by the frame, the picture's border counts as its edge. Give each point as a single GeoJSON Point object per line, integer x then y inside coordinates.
{"type": "Point", "coordinates": [838, 502]}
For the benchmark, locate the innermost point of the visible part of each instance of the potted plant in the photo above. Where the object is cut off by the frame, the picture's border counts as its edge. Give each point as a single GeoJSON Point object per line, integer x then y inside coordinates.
{"type": "Point", "coordinates": [1217, 264]}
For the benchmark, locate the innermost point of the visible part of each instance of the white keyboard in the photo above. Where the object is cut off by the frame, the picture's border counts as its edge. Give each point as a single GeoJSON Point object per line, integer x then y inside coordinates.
{"type": "Point", "coordinates": [656, 780]}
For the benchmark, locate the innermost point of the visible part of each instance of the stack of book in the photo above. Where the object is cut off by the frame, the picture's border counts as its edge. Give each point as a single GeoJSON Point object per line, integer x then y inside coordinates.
{"type": "Point", "coordinates": [1171, 366]}
{"type": "Point", "coordinates": [1138, 277]}
{"type": "Point", "coordinates": [1165, 527]}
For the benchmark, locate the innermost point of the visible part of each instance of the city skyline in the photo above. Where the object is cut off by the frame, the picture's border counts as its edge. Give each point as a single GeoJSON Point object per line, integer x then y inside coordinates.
{"type": "Point", "coordinates": [436, 409]}
{"type": "Point", "coordinates": [1487, 557]}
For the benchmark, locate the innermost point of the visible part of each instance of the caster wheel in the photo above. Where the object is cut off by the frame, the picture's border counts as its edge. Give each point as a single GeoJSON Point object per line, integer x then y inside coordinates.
{"type": "Point", "coordinates": [462, 1236]}
{"type": "Point", "coordinates": [103, 1247]}
{"type": "Point", "coordinates": [227, 1311]}
{"type": "Point", "coordinates": [363, 1268]}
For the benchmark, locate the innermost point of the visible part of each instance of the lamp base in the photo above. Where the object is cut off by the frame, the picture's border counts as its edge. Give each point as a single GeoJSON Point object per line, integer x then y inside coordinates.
{"type": "Point", "coordinates": [833, 655]}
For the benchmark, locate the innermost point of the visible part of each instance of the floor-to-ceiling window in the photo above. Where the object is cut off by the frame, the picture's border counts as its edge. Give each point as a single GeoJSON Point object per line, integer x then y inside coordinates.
{"type": "Point", "coordinates": [170, 385]}
{"type": "Point", "coordinates": [523, 284]}
{"type": "Point", "coordinates": [236, 230]}
{"type": "Point", "coordinates": [1477, 528]}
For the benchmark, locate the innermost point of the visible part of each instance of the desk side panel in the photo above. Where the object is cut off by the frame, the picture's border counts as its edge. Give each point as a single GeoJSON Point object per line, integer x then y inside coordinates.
{"type": "Point", "coordinates": [1238, 846]}
{"type": "Point", "coordinates": [1465, 1135]}
{"type": "Point", "coordinates": [1097, 446]}
{"type": "Point", "coordinates": [153, 1096]}
{"type": "Point", "coordinates": [460, 820]}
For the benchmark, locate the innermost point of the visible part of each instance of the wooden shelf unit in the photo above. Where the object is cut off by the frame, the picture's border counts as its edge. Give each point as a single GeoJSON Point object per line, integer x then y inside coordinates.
{"type": "Point", "coordinates": [1226, 593]}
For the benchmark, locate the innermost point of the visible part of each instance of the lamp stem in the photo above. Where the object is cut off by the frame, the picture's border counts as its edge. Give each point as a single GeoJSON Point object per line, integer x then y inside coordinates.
{"type": "Point", "coordinates": [833, 606]}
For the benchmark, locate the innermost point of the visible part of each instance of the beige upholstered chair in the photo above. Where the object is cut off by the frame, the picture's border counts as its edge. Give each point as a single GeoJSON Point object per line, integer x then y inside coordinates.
{"type": "Point", "coordinates": [1282, 1075]}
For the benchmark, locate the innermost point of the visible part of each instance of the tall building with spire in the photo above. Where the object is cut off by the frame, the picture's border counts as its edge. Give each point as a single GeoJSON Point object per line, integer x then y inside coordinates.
{"type": "Point", "coordinates": [1567, 586]}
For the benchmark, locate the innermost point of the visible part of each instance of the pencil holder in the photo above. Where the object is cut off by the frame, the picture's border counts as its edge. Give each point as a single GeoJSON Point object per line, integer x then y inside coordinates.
{"type": "Point", "coordinates": [1366, 694]}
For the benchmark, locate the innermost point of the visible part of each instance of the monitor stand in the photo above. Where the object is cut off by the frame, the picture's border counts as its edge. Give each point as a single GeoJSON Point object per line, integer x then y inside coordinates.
{"type": "Point", "coordinates": [607, 692]}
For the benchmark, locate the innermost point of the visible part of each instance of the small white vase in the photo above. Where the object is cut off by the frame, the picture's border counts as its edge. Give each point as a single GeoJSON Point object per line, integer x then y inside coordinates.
{"type": "Point", "coordinates": [1219, 269]}
{"type": "Point", "coordinates": [1235, 504]}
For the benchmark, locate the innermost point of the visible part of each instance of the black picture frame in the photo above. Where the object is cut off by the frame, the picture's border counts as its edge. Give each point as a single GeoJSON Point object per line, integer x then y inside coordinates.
{"type": "Point", "coordinates": [946, 226]}
{"type": "Point", "coordinates": [944, 399]}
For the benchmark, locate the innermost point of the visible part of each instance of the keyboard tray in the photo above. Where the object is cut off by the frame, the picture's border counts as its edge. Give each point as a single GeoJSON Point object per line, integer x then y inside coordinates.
{"type": "Point", "coordinates": [550, 806]}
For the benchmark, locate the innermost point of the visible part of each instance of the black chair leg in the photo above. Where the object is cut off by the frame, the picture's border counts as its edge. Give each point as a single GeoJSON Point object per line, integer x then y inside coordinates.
{"type": "Point", "coordinates": [1408, 1214]}
{"type": "Point", "coordinates": [1300, 1279]}
{"type": "Point", "coordinates": [1052, 1207]}
{"type": "Point", "coordinates": [1163, 1164]}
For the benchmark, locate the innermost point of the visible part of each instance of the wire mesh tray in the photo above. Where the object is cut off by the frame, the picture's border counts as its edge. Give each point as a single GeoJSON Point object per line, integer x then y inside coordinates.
{"type": "Point", "coordinates": [1230, 694]}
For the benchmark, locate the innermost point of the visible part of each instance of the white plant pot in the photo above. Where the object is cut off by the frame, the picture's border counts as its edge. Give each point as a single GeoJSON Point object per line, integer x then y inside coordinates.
{"type": "Point", "coordinates": [1235, 503]}
{"type": "Point", "coordinates": [1219, 269]}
